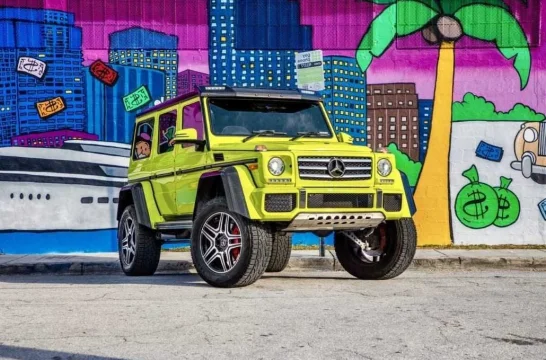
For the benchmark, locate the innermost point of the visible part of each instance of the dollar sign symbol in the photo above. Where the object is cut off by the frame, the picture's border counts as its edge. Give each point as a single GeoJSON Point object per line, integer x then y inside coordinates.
{"type": "Point", "coordinates": [503, 205]}
{"type": "Point", "coordinates": [135, 99]}
{"type": "Point", "coordinates": [51, 106]}
{"type": "Point", "coordinates": [101, 74]}
{"type": "Point", "coordinates": [30, 66]}
{"type": "Point", "coordinates": [475, 207]}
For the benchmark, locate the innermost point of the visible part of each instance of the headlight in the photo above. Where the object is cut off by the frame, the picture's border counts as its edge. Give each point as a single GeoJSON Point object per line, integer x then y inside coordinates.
{"type": "Point", "coordinates": [276, 166]}
{"type": "Point", "coordinates": [530, 135]}
{"type": "Point", "coordinates": [384, 167]}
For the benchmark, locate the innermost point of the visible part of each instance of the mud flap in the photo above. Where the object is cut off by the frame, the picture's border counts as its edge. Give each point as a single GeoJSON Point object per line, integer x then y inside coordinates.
{"type": "Point", "coordinates": [409, 194]}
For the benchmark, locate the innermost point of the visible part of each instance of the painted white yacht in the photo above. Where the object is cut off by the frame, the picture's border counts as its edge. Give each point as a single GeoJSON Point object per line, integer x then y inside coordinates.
{"type": "Point", "coordinates": [75, 187]}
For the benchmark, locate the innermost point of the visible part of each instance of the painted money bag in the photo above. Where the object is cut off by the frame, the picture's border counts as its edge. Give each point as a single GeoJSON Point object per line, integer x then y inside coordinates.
{"type": "Point", "coordinates": [476, 205]}
{"type": "Point", "coordinates": [509, 206]}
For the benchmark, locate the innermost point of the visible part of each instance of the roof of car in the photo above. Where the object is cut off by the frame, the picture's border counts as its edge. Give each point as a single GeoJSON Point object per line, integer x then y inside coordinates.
{"type": "Point", "coordinates": [227, 91]}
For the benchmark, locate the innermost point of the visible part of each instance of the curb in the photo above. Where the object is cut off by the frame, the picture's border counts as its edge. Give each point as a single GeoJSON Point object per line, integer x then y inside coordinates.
{"type": "Point", "coordinates": [297, 263]}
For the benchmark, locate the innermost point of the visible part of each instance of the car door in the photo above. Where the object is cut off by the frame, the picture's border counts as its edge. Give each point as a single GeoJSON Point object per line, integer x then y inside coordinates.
{"type": "Point", "coordinates": [164, 182]}
{"type": "Point", "coordinates": [190, 159]}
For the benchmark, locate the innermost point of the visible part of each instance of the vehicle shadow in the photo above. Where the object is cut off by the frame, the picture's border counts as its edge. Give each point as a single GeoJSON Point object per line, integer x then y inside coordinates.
{"type": "Point", "coordinates": [24, 353]}
{"type": "Point", "coordinates": [188, 279]}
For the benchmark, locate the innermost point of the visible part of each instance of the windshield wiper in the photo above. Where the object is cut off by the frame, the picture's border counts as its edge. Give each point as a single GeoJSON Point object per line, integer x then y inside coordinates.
{"type": "Point", "coordinates": [263, 132]}
{"type": "Point", "coordinates": [310, 134]}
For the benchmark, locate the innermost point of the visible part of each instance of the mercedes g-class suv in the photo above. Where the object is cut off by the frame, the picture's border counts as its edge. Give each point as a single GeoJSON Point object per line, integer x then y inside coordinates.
{"type": "Point", "coordinates": [237, 170]}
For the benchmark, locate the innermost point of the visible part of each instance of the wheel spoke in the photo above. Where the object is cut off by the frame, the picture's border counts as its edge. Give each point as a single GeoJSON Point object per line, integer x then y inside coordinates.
{"type": "Point", "coordinates": [209, 232]}
{"type": "Point", "coordinates": [127, 227]}
{"type": "Point", "coordinates": [224, 261]}
{"type": "Point", "coordinates": [210, 255]}
{"type": "Point", "coordinates": [223, 224]}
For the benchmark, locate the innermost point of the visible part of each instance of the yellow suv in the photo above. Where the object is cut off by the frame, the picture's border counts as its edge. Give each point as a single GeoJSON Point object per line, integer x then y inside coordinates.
{"type": "Point", "coordinates": [237, 170]}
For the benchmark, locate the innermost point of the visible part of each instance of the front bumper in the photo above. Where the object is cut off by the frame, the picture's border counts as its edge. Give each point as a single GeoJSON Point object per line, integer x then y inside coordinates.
{"type": "Point", "coordinates": [535, 169]}
{"type": "Point", "coordinates": [317, 209]}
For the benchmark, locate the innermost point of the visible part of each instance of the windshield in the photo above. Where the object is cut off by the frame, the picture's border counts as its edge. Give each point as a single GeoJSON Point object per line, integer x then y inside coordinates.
{"type": "Point", "coordinates": [244, 117]}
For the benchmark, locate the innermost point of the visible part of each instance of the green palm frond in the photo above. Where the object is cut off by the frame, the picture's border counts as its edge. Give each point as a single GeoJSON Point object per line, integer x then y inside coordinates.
{"type": "Point", "coordinates": [497, 25]}
{"type": "Point", "coordinates": [397, 20]}
{"type": "Point", "coordinates": [452, 6]}
{"type": "Point", "coordinates": [433, 4]}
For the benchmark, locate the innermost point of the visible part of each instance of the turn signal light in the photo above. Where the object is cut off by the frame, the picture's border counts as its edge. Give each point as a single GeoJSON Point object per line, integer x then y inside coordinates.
{"type": "Point", "coordinates": [260, 148]}
{"type": "Point", "coordinates": [253, 166]}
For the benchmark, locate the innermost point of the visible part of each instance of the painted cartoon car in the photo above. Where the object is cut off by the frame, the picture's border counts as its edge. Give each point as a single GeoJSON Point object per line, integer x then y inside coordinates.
{"type": "Point", "coordinates": [530, 150]}
{"type": "Point", "coordinates": [238, 170]}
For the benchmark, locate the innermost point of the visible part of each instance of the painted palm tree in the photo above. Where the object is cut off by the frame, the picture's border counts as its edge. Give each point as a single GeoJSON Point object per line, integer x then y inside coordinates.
{"type": "Point", "coordinates": [443, 23]}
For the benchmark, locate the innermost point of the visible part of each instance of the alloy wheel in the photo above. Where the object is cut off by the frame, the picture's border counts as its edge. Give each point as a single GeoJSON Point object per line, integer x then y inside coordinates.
{"type": "Point", "coordinates": [220, 242]}
{"type": "Point", "coordinates": [128, 242]}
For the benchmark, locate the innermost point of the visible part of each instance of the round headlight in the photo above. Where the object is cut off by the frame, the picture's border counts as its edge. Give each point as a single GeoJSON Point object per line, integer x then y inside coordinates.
{"type": "Point", "coordinates": [276, 166]}
{"type": "Point", "coordinates": [530, 135]}
{"type": "Point", "coordinates": [384, 167]}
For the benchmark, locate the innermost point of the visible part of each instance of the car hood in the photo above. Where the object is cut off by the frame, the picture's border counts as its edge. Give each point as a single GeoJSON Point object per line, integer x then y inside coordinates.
{"type": "Point", "coordinates": [328, 148]}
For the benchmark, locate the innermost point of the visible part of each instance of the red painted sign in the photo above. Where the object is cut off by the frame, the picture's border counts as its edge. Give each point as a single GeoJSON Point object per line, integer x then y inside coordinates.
{"type": "Point", "coordinates": [104, 73]}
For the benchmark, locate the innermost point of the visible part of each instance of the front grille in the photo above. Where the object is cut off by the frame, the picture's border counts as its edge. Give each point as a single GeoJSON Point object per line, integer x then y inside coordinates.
{"type": "Point", "coordinates": [280, 202]}
{"type": "Point", "coordinates": [357, 201]}
{"type": "Point", "coordinates": [392, 202]}
{"type": "Point", "coordinates": [542, 139]}
{"type": "Point", "coordinates": [316, 168]}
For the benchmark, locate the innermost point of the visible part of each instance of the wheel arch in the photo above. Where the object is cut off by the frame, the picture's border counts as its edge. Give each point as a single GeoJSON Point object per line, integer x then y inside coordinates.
{"type": "Point", "coordinates": [133, 194]}
{"type": "Point", "coordinates": [224, 182]}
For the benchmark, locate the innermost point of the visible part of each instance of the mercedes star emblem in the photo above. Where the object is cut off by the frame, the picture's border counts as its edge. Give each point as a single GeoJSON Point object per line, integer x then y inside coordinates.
{"type": "Point", "coordinates": [336, 168]}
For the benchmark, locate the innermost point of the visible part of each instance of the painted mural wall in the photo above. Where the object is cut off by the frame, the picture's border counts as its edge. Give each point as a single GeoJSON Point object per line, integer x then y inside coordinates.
{"type": "Point", "coordinates": [456, 89]}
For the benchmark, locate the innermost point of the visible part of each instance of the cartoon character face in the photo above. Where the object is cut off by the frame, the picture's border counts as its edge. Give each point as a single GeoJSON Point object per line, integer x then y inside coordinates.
{"type": "Point", "coordinates": [143, 147]}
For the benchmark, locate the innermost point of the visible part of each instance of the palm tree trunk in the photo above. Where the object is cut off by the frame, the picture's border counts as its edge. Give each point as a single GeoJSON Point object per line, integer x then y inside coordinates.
{"type": "Point", "coordinates": [433, 219]}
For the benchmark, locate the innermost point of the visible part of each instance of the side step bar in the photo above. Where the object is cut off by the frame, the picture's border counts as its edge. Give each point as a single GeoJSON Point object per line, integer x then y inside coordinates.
{"type": "Point", "coordinates": [175, 225]}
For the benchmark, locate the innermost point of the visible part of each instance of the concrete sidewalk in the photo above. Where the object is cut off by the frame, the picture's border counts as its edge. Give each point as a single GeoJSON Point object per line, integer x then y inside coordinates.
{"type": "Point", "coordinates": [301, 260]}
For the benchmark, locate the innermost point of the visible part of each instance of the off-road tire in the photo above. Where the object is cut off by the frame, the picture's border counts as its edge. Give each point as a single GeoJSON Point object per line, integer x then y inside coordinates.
{"type": "Point", "coordinates": [256, 241]}
{"type": "Point", "coordinates": [148, 249]}
{"type": "Point", "coordinates": [401, 245]}
{"type": "Point", "coordinates": [281, 248]}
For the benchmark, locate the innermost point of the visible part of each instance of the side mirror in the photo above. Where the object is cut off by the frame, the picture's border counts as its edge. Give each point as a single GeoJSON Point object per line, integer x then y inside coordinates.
{"type": "Point", "coordinates": [345, 138]}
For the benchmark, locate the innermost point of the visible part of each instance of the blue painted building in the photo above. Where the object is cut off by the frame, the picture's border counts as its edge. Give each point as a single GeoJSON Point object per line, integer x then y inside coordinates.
{"type": "Point", "coordinates": [425, 119]}
{"type": "Point", "coordinates": [49, 36]}
{"type": "Point", "coordinates": [247, 47]}
{"type": "Point", "coordinates": [345, 96]}
{"type": "Point", "coordinates": [9, 126]}
{"type": "Point", "coordinates": [147, 49]}
{"type": "Point", "coordinates": [107, 115]}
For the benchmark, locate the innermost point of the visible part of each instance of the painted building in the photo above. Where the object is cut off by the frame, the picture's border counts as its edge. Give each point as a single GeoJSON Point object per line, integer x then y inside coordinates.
{"type": "Point", "coordinates": [345, 96]}
{"type": "Point", "coordinates": [425, 118]}
{"type": "Point", "coordinates": [240, 54]}
{"type": "Point", "coordinates": [50, 37]}
{"type": "Point", "coordinates": [131, 47]}
{"type": "Point", "coordinates": [189, 79]}
{"type": "Point", "coordinates": [480, 101]}
{"type": "Point", "coordinates": [9, 125]}
{"type": "Point", "coordinates": [108, 117]}
{"type": "Point", "coordinates": [51, 139]}
{"type": "Point", "coordinates": [393, 117]}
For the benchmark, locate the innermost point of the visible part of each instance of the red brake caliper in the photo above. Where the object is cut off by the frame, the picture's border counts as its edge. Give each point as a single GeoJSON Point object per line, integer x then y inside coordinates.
{"type": "Point", "coordinates": [236, 251]}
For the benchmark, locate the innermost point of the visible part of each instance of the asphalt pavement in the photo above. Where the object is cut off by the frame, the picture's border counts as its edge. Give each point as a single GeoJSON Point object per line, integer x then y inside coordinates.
{"type": "Point", "coordinates": [292, 315]}
{"type": "Point", "coordinates": [301, 260]}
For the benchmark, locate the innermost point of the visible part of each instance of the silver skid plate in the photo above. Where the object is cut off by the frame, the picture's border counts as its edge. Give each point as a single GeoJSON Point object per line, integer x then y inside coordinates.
{"type": "Point", "coordinates": [335, 221]}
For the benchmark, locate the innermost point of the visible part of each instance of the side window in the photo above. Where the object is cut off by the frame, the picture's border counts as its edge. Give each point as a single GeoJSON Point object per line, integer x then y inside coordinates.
{"type": "Point", "coordinates": [193, 118]}
{"type": "Point", "coordinates": [143, 139]}
{"type": "Point", "coordinates": [167, 126]}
